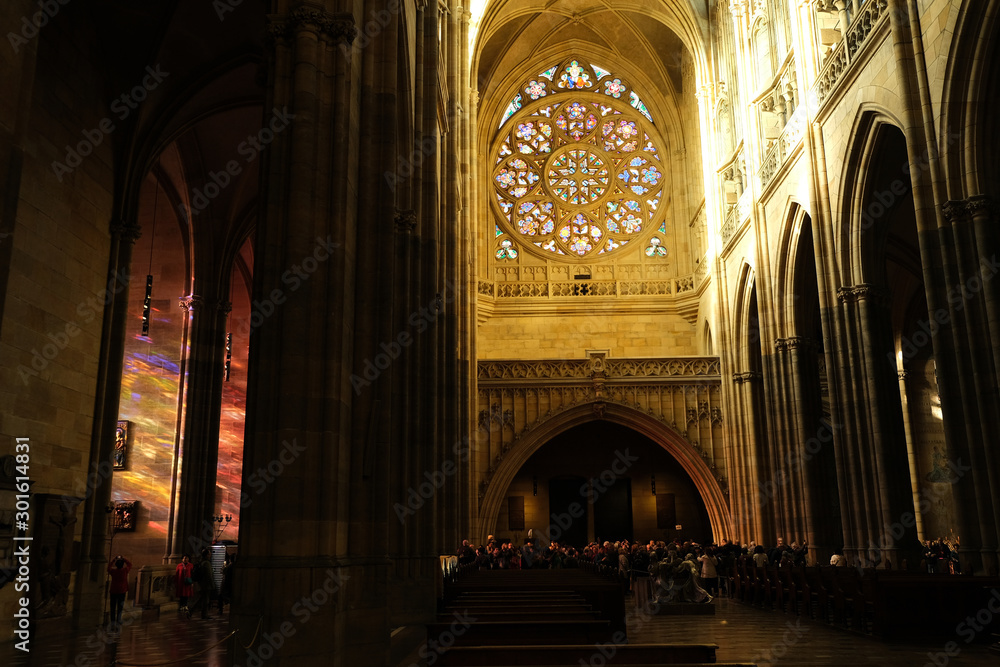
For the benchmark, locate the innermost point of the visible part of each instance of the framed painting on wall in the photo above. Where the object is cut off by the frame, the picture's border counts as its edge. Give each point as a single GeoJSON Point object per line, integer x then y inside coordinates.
{"type": "Point", "coordinates": [121, 444]}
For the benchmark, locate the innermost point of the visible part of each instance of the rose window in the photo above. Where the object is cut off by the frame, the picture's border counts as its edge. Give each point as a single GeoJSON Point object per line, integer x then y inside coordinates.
{"type": "Point", "coordinates": [577, 170]}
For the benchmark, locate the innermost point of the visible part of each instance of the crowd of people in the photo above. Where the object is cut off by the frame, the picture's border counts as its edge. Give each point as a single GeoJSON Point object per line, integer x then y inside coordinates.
{"type": "Point", "coordinates": [656, 571]}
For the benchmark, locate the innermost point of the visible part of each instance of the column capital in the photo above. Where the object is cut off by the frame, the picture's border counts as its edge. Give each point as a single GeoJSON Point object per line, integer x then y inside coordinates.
{"type": "Point", "coordinates": [794, 343]}
{"type": "Point", "coordinates": [406, 221]}
{"type": "Point", "coordinates": [983, 205]}
{"type": "Point", "coordinates": [902, 374]}
{"type": "Point", "coordinates": [862, 292]}
{"type": "Point", "coordinates": [127, 231]}
{"type": "Point", "coordinates": [191, 302]}
{"type": "Point", "coordinates": [955, 209]}
{"type": "Point", "coordinates": [748, 376]}
{"type": "Point", "coordinates": [339, 26]}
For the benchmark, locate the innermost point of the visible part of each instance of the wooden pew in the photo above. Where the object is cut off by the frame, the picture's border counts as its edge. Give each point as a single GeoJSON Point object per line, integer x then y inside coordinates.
{"type": "Point", "coordinates": [596, 654]}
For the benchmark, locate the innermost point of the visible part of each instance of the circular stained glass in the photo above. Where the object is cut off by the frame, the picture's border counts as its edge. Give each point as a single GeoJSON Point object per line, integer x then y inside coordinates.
{"type": "Point", "coordinates": [578, 176]}
{"type": "Point", "coordinates": [578, 173]}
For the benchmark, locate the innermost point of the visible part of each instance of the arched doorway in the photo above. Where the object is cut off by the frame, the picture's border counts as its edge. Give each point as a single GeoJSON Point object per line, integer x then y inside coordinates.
{"type": "Point", "coordinates": [624, 461]}
{"type": "Point", "coordinates": [602, 481]}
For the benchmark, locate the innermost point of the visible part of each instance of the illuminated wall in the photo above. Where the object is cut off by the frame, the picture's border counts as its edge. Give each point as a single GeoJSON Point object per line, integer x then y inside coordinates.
{"type": "Point", "coordinates": [152, 378]}
{"type": "Point", "coordinates": [234, 394]}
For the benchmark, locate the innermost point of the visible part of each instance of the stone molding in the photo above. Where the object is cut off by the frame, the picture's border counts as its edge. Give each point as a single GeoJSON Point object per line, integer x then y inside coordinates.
{"type": "Point", "coordinates": [748, 376]}
{"type": "Point", "coordinates": [576, 369]}
{"type": "Point", "coordinates": [340, 27]}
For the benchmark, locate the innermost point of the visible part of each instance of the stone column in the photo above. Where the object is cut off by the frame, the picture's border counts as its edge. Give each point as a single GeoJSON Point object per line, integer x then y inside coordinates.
{"type": "Point", "coordinates": [881, 503]}
{"type": "Point", "coordinates": [974, 305]}
{"type": "Point", "coordinates": [752, 495]}
{"type": "Point", "coordinates": [911, 457]}
{"type": "Point", "coordinates": [811, 465]}
{"type": "Point", "coordinates": [313, 553]}
{"type": "Point", "coordinates": [88, 599]}
{"type": "Point", "coordinates": [195, 501]}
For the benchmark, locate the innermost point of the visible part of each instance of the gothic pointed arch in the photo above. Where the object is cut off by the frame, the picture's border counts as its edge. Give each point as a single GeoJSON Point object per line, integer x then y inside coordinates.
{"type": "Point", "coordinates": [711, 491]}
{"type": "Point", "coordinates": [861, 228]}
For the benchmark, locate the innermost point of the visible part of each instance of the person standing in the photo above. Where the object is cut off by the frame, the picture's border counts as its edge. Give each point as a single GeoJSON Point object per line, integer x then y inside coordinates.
{"type": "Point", "coordinates": [709, 572]}
{"type": "Point", "coordinates": [226, 590]}
{"type": "Point", "coordinates": [184, 579]}
{"type": "Point", "coordinates": [118, 569]}
{"type": "Point", "coordinates": [204, 581]}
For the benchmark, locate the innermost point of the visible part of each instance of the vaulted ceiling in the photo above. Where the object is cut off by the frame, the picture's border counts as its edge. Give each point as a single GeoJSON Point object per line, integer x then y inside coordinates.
{"type": "Point", "coordinates": [653, 38]}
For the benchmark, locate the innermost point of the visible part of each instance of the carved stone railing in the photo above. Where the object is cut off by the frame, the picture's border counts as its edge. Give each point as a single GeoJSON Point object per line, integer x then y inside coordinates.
{"type": "Point", "coordinates": [739, 213]}
{"type": "Point", "coordinates": [587, 288]}
{"type": "Point", "coordinates": [682, 393]}
{"type": "Point", "coordinates": [869, 17]}
{"type": "Point", "coordinates": [783, 147]}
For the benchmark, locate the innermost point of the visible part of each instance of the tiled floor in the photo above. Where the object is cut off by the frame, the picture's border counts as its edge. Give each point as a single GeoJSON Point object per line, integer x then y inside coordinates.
{"type": "Point", "coordinates": [747, 634]}
{"type": "Point", "coordinates": [744, 634]}
{"type": "Point", "coordinates": [172, 637]}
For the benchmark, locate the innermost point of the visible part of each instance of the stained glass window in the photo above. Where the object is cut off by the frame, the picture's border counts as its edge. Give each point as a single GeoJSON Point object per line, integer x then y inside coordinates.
{"type": "Point", "coordinates": [506, 250]}
{"type": "Point", "coordinates": [655, 248]}
{"type": "Point", "coordinates": [600, 72]}
{"type": "Point", "coordinates": [511, 109]}
{"type": "Point", "coordinates": [577, 167]}
{"type": "Point", "coordinates": [575, 76]}
{"type": "Point", "coordinates": [637, 103]}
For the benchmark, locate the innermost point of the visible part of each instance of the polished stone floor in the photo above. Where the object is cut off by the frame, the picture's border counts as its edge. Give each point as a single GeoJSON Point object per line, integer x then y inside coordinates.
{"type": "Point", "coordinates": [748, 634]}
{"type": "Point", "coordinates": [172, 638]}
{"type": "Point", "coordinates": [744, 634]}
